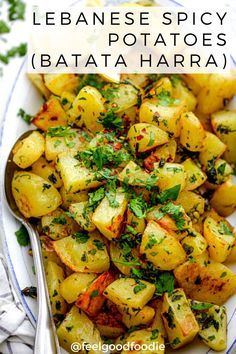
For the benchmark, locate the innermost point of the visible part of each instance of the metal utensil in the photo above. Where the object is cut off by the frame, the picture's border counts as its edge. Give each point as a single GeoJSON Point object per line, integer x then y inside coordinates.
{"type": "Point", "coordinates": [46, 341]}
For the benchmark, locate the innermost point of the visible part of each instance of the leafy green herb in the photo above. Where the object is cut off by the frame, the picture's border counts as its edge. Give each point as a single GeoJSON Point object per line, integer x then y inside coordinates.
{"type": "Point", "coordinates": [4, 28]}
{"type": "Point", "coordinates": [46, 186]}
{"type": "Point", "coordinates": [165, 99]}
{"type": "Point", "coordinates": [139, 287]}
{"type": "Point", "coordinates": [134, 263]}
{"type": "Point", "coordinates": [224, 229]}
{"type": "Point", "coordinates": [22, 236]}
{"type": "Point", "coordinates": [52, 178]}
{"type": "Point", "coordinates": [111, 121]}
{"type": "Point", "coordinates": [16, 10]}
{"type": "Point", "coordinates": [138, 206]}
{"type": "Point", "coordinates": [175, 213]}
{"type": "Point", "coordinates": [175, 79]}
{"type": "Point", "coordinates": [19, 51]}
{"type": "Point", "coordinates": [99, 244]}
{"type": "Point", "coordinates": [69, 328]}
{"type": "Point", "coordinates": [169, 316]}
{"type": "Point", "coordinates": [152, 139]}
{"type": "Point", "coordinates": [223, 274]}
{"type": "Point", "coordinates": [60, 220]}
{"type": "Point", "coordinates": [221, 169]}
{"type": "Point", "coordinates": [25, 116]}
{"type": "Point", "coordinates": [211, 338]}
{"type": "Point", "coordinates": [95, 198]}
{"type": "Point", "coordinates": [165, 283]}
{"type": "Point", "coordinates": [155, 334]}
{"type": "Point", "coordinates": [81, 237]}
{"type": "Point", "coordinates": [169, 194]}
{"type": "Point", "coordinates": [109, 93]}
{"type": "Point", "coordinates": [60, 132]}
{"type": "Point", "coordinates": [175, 341]}
{"type": "Point", "coordinates": [224, 129]}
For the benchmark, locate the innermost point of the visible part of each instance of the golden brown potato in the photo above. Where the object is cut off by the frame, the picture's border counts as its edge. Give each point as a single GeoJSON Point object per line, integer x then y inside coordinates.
{"type": "Point", "coordinates": [180, 323]}
{"type": "Point", "coordinates": [213, 149]}
{"type": "Point", "coordinates": [58, 224]}
{"type": "Point", "coordinates": [87, 108]}
{"type": "Point", "coordinates": [152, 339]}
{"type": "Point", "coordinates": [161, 248]}
{"type": "Point", "coordinates": [224, 125]}
{"type": "Point", "coordinates": [170, 175]}
{"type": "Point", "coordinates": [192, 134]}
{"type": "Point", "coordinates": [54, 277]}
{"type": "Point", "coordinates": [224, 198]}
{"type": "Point", "coordinates": [33, 195]}
{"type": "Point", "coordinates": [47, 171]}
{"type": "Point", "coordinates": [194, 244]}
{"type": "Point", "coordinates": [82, 215]}
{"type": "Point", "coordinates": [206, 281]}
{"type": "Point", "coordinates": [58, 83]}
{"type": "Point", "coordinates": [195, 177]}
{"type": "Point", "coordinates": [219, 237]}
{"type": "Point", "coordinates": [83, 252]}
{"type": "Point", "coordinates": [134, 175]}
{"type": "Point", "coordinates": [120, 97]}
{"type": "Point", "coordinates": [129, 294]}
{"type": "Point", "coordinates": [50, 115]}
{"type": "Point", "coordinates": [143, 137]}
{"type": "Point", "coordinates": [216, 88]}
{"type": "Point", "coordinates": [28, 150]}
{"type": "Point", "coordinates": [143, 317]}
{"type": "Point", "coordinates": [78, 328]}
{"type": "Point", "coordinates": [74, 285]}
{"type": "Point", "coordinates": [192, 203]}
{"type": "Point", "coordinates": [71, 198]}
{"type": "Point", "coordinates": [38, 82]}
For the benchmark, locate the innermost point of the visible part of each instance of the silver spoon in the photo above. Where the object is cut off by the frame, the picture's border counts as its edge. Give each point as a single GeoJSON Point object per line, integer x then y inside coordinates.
{"type": "Point", "coordinates": [46, 341]}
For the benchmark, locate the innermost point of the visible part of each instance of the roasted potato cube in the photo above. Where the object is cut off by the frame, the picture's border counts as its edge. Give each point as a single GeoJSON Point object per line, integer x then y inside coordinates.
{"type": "Point", "coordinates": [224, 125]}
{"type": "Point", "coordinates": [47, 171]}
{"type": "Point", "coordinates": [212, 320]}
{"type": "Point", "coordinates": [119, 258]}
{"type": "Point", "coordinates": [50, 115]}
{"type": "Point", "coordinates": [87, 108]}
{"type": "Point", "coordinates": [165, 153]}
{"type": "Point", "coordinates": [195, 177]}
{"type": "Point", "coordinates": [70, 143]}
{"type": "Point", "coordinates": [143, 317]}
{"type": "Point", "coordinates": [83, 252]}
{"type": "Point", "coordinates": [232, 256]}
{"type": "Point", "coordinates": [151, 340]}
{"type": "Point", "coordinates": [54, 277]}
{"type": "Point", "coordinates": [71, 198]}
{"type": "Point", "coordinates": [224, 198]}
{"type": "Point", "coordinates": [216, 89]}
{"type": "Point", "coordinates": [163, 117]}
{"type": "Point", "coordinates": [78, 328]}
{"type": "Point", "coordinates": [74, 175]}
{"type": "Point", "coordinates": [138, 224]}
{"type": "Point", "coordinates": [74, 285]}
{"type": "Point", "coordinates": [180, 323]}
{"type": "Point", "coordinates": [67, 98]}
{"type": "Point", "coordinates": [220, 238]}
{"type": "Point", "coordinates": [92, 300]}
{"type": "Point", "coordinates": [33, 195]}
{"type": "Point", "coordinates": [120, 96]}
{"type": "Point", "coordinates": [82, 215]}
{"type": "Point", "coordinates": [58, 224]}
{"type": "Point", "coordinates": [130, 294]}
{"type": "Point", "coordinates": [187, 99]}
{"type": "Point", "coordinates": [213, 149]}
{"type": "Point", "coordinates": [109, 223]}
{"type": "Point", "coordinates": [161, 248]}
{"type": "Point", "coordinates": [134, 175]}
{"type": "Point", "coordinates": [218, 172]}
{"type": "Point", "coordinates": [157, 323]}
{"type": "Point", "coordinates": [192, 134]}
{"type": "Point", "coordinates": [58, 83]}
{"type": "Point", "coordinates": [143, 137]}
{"type": "Point", "coordinates": [192, 203]}
{"type": "Point", "coordinates": [109, 324]}
{"type": "Point", "coordinates": [170, 175]}
{"type": "Point", "coordinates": [194, 244]}
{"type": "Point", "coordinates": [206, 280]}
{"type": "Point", "coordinates": [28, 150]}
{"type": "Point", "coordinates": [38, 82]}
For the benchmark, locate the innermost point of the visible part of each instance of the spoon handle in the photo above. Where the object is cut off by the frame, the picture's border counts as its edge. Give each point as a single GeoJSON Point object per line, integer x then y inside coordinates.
{"type": "Point", "coordinates": [46, 341]}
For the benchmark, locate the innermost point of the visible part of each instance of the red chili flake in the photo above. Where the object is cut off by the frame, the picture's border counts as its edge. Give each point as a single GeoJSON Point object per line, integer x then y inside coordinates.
{"type": "Point", "coordinates": [45, 107]}
{"type": "Point", "coordinates": [117, 146]}
{"type": "Point", "coordinates": [54, 118]}
{"type": "Point", "coordinates": [114, 105]}
{"type": "Point", "coordinates": [139, 137]}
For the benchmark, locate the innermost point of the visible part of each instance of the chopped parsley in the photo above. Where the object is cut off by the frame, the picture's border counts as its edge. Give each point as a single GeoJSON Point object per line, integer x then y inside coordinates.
{"type": "Point", "coordinates": [201, 306]}
{"type": "Point", "coordinates": [22, 236]}
{"type": "Point", "coordinates": [138, 206]}
{"type": "Point", "coordinates": [81, 237]}
{"type": "Point", "coordinates": [169, 194]}
{"type": "Point", "coordinates": [60, 220]}
{"type": "Point", "coordinates": [16, 10]}
{"type": "Point", "coordinates": [165, 283]}
{"type": "Point", "coordinates": [110, 120]}
{"type": "Point", "coordinates": [224, 229]}
{"type": "Point", "coordinates": [99, 244]}
{"type": "Point", "coordinates": [94, 293]}
{"type": "Point", "coordinates": [19, 51]}
{"type": "Point", "coordinates": [139, 287]}
{"type": "Point", "coordinates": [25, 116]}
{"type": "Point", "coordinates": [175, 213]}
{"type": "Point", "coordinates": [4, 28]}
{"type": "Point", "coordinates": [224, 129]}
{"type": "Point", "coordinates": [61, 131]}
{"type": "Point", "coordinates": [155, 334]}
{"type": "Point", "coordinates": [165, 99]}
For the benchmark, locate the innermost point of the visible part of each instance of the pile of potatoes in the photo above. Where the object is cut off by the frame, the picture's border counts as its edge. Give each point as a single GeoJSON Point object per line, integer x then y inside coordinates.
{"type": "Point", "coordinates": [173, 148]}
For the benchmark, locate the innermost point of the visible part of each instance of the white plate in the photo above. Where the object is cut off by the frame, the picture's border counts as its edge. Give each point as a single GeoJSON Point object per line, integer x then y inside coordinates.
{"type": "Point", "coordinates": [24, 95]}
